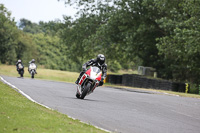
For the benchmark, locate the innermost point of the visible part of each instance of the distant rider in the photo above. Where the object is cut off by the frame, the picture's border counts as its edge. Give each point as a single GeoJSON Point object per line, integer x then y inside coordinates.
{"type": "Point", "coordinates": [32, 61]}
{"type": "Point", "coordinates": [98, 62]}
{"type": "Point", "coordinates": [19, 65]}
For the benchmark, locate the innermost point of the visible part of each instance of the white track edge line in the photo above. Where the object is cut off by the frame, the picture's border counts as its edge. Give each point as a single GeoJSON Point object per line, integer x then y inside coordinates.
{"type": "Point", "coordinates": [28, 97]}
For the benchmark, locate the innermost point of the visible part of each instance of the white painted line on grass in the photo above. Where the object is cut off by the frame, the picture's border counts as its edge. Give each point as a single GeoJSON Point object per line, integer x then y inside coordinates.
{"type": "Point", "coordinates": [27, 96]}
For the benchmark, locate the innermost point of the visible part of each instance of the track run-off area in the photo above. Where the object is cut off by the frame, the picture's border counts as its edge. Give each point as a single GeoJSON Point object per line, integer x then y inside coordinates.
{"type": "Point", "coordinates": [116, 110]}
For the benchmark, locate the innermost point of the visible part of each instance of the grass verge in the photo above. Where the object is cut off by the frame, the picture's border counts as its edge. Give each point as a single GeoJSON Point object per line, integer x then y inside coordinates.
{"type": "Point", "coordinates": [18, 114]}
{"type": "Point", "coordinates": [48, 74]}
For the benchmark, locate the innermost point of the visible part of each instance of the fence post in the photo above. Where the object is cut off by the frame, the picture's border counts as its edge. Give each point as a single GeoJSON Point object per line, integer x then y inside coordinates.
{"type": "Point", "coordinates": [186, 87]}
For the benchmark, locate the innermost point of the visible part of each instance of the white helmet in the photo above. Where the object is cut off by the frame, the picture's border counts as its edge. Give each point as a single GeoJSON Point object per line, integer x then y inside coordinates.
{"type": "Point", "coordinates": [33, 60]}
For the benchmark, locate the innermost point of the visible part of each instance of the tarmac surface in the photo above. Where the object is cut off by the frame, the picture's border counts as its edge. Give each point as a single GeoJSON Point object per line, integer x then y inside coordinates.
{"type": "Point", "coordinates": [116, 110]}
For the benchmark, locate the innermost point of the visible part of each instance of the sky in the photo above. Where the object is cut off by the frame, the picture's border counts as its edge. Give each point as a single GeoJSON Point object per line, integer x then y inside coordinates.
{"type": "Point", "coordinates": [38, 10]}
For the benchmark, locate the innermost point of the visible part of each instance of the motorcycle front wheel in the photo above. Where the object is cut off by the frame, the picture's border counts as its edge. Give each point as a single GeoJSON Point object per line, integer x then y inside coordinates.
{"type": "Point", "coordinates": [22, 73]}
{"type": "Point", "coordinates": [77, 95]}
{"type": "Point", "coordinates": [32, 75]}
{"type": "Point", "coordinates": [85, 91]}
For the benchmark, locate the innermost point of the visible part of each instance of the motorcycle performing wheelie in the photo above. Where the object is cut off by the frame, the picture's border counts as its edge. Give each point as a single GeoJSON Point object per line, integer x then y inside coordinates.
{"type": "Point", "coordinates": [91, 78]}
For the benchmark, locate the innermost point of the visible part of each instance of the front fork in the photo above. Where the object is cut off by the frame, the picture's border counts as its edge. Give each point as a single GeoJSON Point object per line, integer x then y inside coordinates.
{"type": "Point", "coordinates": [82, 83]}
{"type": "Point", "coordinates": [96, 85]}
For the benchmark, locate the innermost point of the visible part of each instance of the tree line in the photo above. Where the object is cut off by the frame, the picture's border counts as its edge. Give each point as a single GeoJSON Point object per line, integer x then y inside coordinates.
{"type": "Point", "coordinates": [163, 34]}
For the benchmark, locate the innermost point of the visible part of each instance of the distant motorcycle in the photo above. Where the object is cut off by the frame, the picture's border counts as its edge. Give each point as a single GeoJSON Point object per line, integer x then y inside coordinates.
{"type": "Point", "coordinates": [88, 82]}
{"type": "Point", "coordinates": [20, 69]}
{"type": "Point", "coordinates": [32, 69]}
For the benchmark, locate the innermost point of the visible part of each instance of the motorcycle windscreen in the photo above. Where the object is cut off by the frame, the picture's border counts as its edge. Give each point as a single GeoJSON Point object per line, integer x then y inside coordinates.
{"type": "Point", "coordinates": [20, 66]}
{"type": "Point", "coordinates": [95, 73]}
{"type": "Point", "coordinates": [32, 66]}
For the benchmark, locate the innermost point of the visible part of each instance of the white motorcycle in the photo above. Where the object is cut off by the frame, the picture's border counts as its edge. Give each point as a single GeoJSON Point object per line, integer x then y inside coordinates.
{"type": "Point", "coordinates": [88, 82]}
{"type": "Point", "coordinates": [32, 69]}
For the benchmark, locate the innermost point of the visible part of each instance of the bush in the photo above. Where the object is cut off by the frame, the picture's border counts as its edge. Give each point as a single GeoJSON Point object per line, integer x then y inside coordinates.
{"type": "Point", "coordinates": [194, 89]}
{"type": "Point", "coordinates": [114, 66]}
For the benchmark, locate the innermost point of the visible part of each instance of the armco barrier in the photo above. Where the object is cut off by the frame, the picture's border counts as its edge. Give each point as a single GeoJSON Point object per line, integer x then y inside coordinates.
{"type": "Point", "coordinates": [134, 80]}
{"type": "Point", "coordinates": [114, 79]}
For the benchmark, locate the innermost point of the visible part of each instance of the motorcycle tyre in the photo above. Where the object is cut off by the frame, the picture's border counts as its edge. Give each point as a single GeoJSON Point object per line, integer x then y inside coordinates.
{"type": "Point", "coordinates": [32, 75]}
{"type": "Point", "coordinates": [85, 91]}
{"type": "Point", "coordinates": [77, 95]}
{"type": "Point", "coordinates": [21, 73]}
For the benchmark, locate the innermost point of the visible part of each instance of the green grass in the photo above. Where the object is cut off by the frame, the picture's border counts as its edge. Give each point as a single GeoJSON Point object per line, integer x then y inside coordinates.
{"type": "Point", "coordinates": [121, 72]}
{"type": "Point", "coordinates": [48, 74]}
{"type": "Point", "coordinates": [18, 114]}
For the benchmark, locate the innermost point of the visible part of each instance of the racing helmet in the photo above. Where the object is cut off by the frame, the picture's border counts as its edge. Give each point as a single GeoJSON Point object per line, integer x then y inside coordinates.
{"type": "Point", "coordinates": [19, 61]}
{"type": "Point", "coordinates": [101, 59]}
{"type": "Point", "coordinates": [33, 60]}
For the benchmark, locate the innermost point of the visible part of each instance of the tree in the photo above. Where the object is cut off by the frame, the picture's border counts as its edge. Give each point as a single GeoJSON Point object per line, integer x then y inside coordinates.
{"type": "Point", "coordinates": [29, 27]}
{"type": "Point", "coordinates": [74, 35]}
{"type": "Point", "coordinates": [180, 45]}
{"type": "Point", "coordinates": [14, 44]}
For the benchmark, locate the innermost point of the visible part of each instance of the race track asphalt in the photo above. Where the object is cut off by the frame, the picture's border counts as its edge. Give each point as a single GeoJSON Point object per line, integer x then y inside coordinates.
{"type": "Point", "coordinates": [117, 110]}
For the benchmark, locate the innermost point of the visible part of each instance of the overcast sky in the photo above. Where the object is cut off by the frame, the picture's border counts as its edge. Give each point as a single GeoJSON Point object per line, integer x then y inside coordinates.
{"type": "Point", "coordinates": [38, 10]}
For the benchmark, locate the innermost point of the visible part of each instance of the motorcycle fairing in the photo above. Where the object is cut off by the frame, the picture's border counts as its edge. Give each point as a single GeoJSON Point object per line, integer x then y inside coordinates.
{"type": "Point", "coordinates": [20, 66]}
{"type": "Point", "coordinates": [32, 66]}
{"type": "Point", "coordinates": [92, 75]}
{"type": "Point", "coordinates": [82, 79]}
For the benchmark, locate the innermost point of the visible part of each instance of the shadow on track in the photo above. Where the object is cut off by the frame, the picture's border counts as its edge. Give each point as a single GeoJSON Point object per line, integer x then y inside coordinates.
{"type": "Point", "coordinates": [85, 99]}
